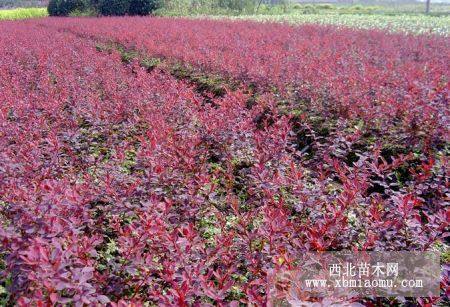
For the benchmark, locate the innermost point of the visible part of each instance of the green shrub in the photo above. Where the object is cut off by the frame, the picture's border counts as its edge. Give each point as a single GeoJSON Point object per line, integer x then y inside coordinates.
{"type": "Point", "coordinates": [114, 7]}
{"type": "Point", "coordinates": [88, 12]}
{"type": "Point", "coordinates": [238, 5]}
{"type": "Point", "coordinates": [65, 7]}
{"type": "Point", "coordinates": [143, 7]}
{"type": "Point", "coordinates": [94, 3]}
{"type": "Point", "coordinates": [325, 6]}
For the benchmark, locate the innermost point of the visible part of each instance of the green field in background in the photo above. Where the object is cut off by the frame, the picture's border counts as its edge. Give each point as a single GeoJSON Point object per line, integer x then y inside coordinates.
{"type": "Point", "coordinates": [22, 13]}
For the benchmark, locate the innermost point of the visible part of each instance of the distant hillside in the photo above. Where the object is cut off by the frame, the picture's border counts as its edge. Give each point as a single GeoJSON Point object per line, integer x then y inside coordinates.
{"type": "Point", "coordinates": [22, 3]}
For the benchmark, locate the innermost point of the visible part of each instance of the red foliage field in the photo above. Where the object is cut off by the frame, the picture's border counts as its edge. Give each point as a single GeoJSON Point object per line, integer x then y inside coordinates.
{"type": "Point", "coordinates": [379, 78]}
{"type": "Point", "coordinates": [242, 146]}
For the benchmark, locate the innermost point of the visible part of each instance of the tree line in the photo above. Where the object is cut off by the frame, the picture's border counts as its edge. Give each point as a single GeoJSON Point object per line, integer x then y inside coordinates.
{"type": "Point", "coordinates": [102, 7]}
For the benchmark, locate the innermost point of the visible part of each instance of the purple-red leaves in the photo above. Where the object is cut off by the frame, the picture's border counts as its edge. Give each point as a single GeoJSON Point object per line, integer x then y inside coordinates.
{"type": "Point", "coordinates": [124, 186]}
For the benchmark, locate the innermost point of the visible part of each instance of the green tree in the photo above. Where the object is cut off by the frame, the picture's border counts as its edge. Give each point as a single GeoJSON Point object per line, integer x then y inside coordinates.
{"type": "Point", "coordinates": [114, 7]}
{"type": "Point", "coordinates": [65, 7]}
{"type": "Point", "coordinates": [143, 7]}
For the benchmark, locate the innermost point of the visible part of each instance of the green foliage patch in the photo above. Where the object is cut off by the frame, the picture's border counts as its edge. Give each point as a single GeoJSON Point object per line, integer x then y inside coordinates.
{"type": "Point", "coordinates": [22, 13]}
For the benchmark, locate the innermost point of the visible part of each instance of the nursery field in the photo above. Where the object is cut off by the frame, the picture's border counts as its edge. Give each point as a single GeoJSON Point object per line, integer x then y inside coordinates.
{"type": "Point", "coordinates": [168, 161]}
